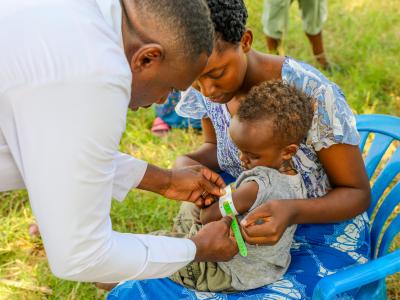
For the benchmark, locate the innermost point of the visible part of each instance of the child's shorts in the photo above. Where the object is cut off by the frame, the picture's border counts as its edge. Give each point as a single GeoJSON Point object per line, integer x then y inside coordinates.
{"type": "Point", "coordinates": [201, 276]}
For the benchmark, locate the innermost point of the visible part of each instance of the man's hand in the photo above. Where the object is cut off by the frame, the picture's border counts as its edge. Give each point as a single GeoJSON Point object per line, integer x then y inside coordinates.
{"type": "Point", "coordinates": [195, 184]}
{"type": "Point", "coordinates": [267, 223]}
{"type": "Point", "coordinates": [214, 242]}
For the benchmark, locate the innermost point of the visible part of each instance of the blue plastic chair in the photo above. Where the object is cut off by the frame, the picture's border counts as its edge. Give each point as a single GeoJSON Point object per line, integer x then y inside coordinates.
{"type": "Point", "coordinates": [370, 277]}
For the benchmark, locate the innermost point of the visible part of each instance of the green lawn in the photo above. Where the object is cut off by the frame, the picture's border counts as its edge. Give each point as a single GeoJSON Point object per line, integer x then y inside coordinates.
{"type": "Point", "coordinates": [362, 39]}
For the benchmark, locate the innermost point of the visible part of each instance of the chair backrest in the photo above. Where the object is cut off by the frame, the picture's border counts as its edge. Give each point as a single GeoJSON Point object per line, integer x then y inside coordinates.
{"type": "Point", "coordinates": [386, 130]}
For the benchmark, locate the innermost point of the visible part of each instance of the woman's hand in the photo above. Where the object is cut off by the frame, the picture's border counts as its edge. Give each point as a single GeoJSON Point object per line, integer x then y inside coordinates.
{"type": "Point", "coordinates": [267, 223]}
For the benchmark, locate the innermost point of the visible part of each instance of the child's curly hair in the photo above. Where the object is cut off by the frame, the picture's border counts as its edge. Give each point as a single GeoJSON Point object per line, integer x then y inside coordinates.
{"type": "Point", "coordinates": [290, 110]}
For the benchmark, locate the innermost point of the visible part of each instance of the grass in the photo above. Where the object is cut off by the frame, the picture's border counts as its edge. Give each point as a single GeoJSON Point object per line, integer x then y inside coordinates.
{"type": "Point", "coordinates": [361, 39]}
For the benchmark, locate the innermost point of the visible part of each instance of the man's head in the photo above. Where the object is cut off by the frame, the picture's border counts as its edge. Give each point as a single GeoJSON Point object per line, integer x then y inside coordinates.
{"type": "Point", "coordinates": [167, 44]}
{"type": "Point", "coordinates": [270, 123]}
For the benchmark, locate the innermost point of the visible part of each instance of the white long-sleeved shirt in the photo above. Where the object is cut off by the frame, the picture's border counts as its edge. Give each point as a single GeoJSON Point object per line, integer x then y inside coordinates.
{"type": "Point", "coordinates": [64, 92]}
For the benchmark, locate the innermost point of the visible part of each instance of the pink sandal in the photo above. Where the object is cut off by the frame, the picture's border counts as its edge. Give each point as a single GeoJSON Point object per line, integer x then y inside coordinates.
{"type": "Point", "coordinates": [159, 128]}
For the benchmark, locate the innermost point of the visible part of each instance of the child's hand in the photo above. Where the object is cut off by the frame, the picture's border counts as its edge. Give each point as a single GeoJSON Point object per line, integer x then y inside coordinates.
{"type": "Point", "coordinates": [267, 223]}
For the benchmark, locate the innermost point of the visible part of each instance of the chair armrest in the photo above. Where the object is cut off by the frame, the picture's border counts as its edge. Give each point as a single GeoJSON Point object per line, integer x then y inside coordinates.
{"type": "Point", "coordinates": [357, 276]}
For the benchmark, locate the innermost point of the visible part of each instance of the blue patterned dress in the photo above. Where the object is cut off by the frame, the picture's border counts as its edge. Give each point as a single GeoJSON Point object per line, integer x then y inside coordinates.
{"type": "Point", "coordinates": [318, 249]}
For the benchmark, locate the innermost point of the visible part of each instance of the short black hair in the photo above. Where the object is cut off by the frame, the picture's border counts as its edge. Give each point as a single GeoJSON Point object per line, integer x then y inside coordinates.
{"type": "Point", "coordinates": [290, 110]}
{"type": "Point", "coordinates": [229, 18]}
{"type": "Point", "coordinates": [189, 21]}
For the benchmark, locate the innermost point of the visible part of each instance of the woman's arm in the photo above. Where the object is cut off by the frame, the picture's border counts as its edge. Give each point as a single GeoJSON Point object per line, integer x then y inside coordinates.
{"type": "Point", "coordinates": [243, 199]}
{"type": "Point", "coordinates": [206, 155]}
{"type": "Point", "coordinates": [350, 196]}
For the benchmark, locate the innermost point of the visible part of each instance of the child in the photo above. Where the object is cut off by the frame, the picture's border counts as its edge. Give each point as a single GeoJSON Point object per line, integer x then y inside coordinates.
{"type": "Point", "coordinates": [271, 122]}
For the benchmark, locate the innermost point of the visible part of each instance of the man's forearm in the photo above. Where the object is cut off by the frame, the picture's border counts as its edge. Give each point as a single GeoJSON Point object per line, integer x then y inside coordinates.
{"type": "Point", "coordinates": [156, 180]}
{"type": "Point", "coordinates": [338, 205]}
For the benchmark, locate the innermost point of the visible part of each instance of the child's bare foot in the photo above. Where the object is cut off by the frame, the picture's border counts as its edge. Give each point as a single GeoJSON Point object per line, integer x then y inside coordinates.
{"type": "Point", "coordinates": [105, 286]}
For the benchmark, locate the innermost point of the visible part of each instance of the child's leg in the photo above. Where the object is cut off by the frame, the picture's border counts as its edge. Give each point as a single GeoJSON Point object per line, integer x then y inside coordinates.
{"type": "Point", "coordinates": [168, 233]}
{"type": "Point", "coordinates": [203, 276]}
{"type": "Point", "coordinates": [188, 215]}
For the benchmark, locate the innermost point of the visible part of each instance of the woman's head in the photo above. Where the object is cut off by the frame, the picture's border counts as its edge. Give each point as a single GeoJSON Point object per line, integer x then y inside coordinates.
{"type": "Point", "coordinates": [227, 65]}
{"type": "Point", "coordinates": [167, 44]}
{"type": "Point", "coordinates": [270, 123]}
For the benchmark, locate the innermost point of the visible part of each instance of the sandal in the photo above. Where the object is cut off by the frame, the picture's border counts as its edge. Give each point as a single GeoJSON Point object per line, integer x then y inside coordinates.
{"type": "Point", "coordinates": [160, 128]}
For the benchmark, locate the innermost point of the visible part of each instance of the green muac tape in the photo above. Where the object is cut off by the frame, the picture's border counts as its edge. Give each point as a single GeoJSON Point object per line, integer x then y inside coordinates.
{"type": "Point", "coordinates": [236, 230]}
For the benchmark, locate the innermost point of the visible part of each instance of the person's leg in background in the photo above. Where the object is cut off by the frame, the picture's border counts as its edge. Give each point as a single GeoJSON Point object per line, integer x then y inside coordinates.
{"type": "Point", "coordinates": [165, 111]}
{"type": "Point", "coordinates": [167, 118]}
{"type": "Point", "coordinates": [275, 22]}
{"type": "Point", "coordinates": [314, 13]}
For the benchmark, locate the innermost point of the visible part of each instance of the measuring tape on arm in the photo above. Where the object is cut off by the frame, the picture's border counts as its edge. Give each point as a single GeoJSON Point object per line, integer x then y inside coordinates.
{"type": "Point", "coordinates": [227, 208]}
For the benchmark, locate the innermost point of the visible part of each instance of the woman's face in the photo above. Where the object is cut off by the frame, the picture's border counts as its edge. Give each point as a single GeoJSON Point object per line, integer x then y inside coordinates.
{"type": "Point", "coordinates": [225, 71]}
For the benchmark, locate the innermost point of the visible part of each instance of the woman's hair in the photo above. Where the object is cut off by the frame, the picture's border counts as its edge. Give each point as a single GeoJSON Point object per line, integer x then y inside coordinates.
{"type": "Point", "coordinates": [290, 110]}
{"type": "Point", "coordinates": [229, 18]}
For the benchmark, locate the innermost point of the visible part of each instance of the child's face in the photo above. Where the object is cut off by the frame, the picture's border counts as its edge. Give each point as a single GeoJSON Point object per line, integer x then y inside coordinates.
{"type": "Point", "coordinates": [225, 72]}
{"type": "Point", "coordinates": [257, 145]}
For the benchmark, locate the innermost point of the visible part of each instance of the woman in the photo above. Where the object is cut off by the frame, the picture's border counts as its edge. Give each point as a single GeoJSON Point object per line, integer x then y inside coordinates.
{"type": "Point", "coordinates": [333, 231]}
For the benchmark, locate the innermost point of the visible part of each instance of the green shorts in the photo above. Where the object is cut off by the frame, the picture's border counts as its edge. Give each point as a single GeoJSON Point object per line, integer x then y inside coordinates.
{"type": "Point", "coordinates": [200, 276]}
{"type": "Point", "coordinates": [276, 16]}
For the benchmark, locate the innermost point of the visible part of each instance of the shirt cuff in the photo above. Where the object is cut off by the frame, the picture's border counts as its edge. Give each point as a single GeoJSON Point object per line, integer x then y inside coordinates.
{"type": "Point", "coordinates": [128, 174]}
{"type": "Point", "coordinates": [166, 255]}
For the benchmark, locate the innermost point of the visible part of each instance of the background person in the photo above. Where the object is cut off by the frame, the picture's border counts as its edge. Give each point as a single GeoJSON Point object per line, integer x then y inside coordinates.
{"type": "Point", "coordinates": [275, 21]}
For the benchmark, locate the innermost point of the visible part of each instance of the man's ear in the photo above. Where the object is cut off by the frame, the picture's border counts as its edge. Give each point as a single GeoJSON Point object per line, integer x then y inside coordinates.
{"type": "Point", "coordinates": [247, 40]}
{"type": "Point", "coordinates": [289, 151]}
{"type": "Point", "coordinates": [147, 56]}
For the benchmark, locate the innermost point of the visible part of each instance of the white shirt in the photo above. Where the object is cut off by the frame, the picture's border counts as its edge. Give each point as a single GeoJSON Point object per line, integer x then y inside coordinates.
{"type": "Point", "coordinates": [64, 92]}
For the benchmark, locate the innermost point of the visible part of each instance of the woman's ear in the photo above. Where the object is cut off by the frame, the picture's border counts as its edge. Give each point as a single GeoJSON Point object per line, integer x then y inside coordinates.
{"type": "Point", "coordinates": [147, 56]}
{"type": "Point", "coordinates": [289, 151]}
{"type": "Point", "coordinates": [247, 40]}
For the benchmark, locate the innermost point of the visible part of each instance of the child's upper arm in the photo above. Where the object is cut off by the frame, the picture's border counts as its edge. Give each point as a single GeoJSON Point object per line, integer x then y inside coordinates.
{"type": "Point", "coordinates": [245, 196]}
{"type": "Point", "coordinates": [243, 199]}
